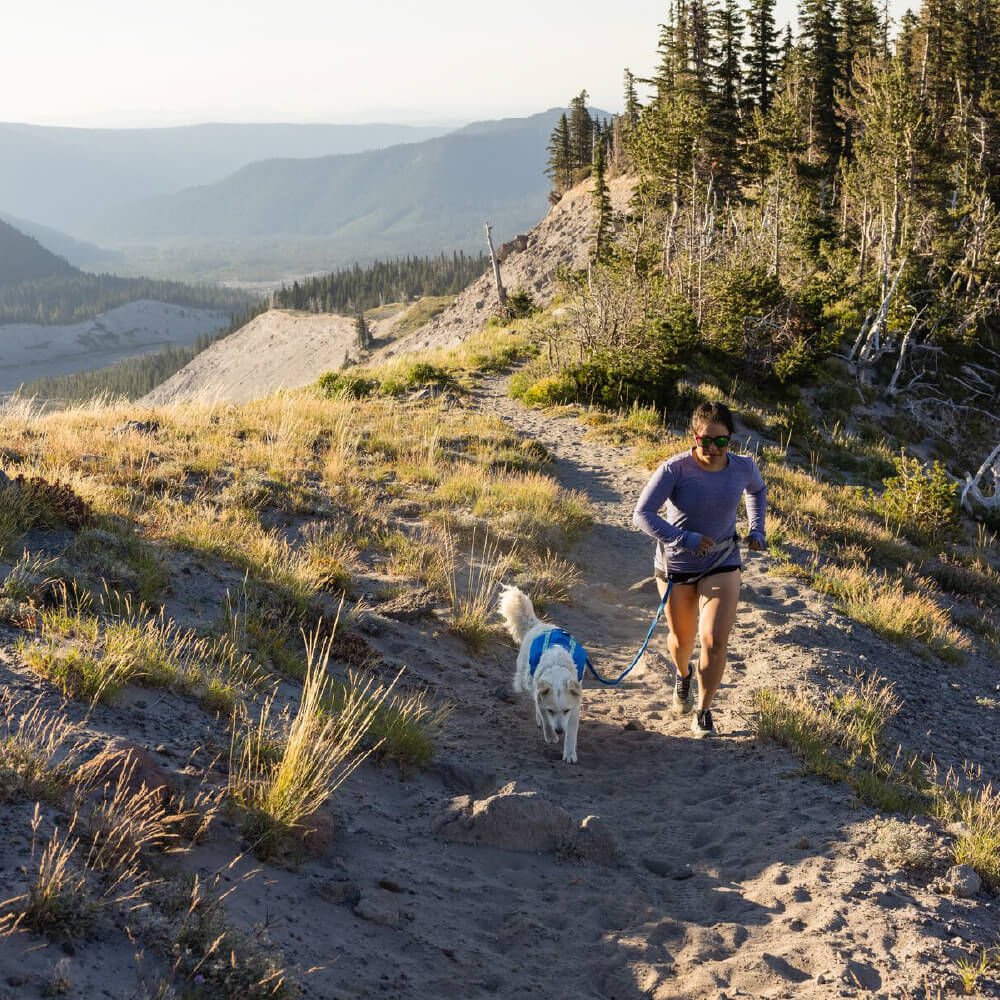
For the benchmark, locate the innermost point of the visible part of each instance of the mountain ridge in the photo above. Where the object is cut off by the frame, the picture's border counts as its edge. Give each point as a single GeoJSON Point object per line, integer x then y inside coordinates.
{"type": "Point", "coordinates": [425, 197]}
{"type": "Point", "coordinates": [56, 175]}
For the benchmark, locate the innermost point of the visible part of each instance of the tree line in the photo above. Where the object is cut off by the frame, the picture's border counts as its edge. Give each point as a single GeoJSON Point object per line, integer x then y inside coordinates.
{"type": "Point", "coordinates": [62, 299]}
{"type": "Point", "coordinates": [831, 189]}
{"type": "Point", "coordinates": [354, 289]}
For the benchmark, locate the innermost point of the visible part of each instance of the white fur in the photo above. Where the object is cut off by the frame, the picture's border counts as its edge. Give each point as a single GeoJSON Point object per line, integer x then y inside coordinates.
{"type": "Point", "coordinates": [555, 689]}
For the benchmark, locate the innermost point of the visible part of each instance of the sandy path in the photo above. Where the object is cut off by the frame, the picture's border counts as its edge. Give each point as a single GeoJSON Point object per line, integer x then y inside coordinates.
{"type": "Point", "coordinates": [735, 875]}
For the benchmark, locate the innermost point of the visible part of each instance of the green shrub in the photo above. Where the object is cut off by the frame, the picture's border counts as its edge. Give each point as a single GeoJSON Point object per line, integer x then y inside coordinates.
{"type": "Point", "coordinates": [921, 501]}
{"type": "Point", "coordinates": [740, 294]}
{"type": "Point", "coordinates": [334, 385]}
{"type": "Point", "coordinates": [553, 390]}
{"type": "Point", "coordinates": [521, 305]}
{"type": "Point", "coordinates": [422, 373]}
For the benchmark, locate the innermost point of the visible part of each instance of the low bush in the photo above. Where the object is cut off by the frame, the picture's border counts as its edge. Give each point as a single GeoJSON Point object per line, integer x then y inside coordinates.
{"type": "Point", "coordinates": [344, 385]}
{"type": "Point", "coordinates": [921, 501]}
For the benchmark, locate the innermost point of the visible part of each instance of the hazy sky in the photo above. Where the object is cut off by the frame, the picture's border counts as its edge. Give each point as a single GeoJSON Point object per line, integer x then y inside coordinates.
{"type": "Point", "coordinates": [123, 63]}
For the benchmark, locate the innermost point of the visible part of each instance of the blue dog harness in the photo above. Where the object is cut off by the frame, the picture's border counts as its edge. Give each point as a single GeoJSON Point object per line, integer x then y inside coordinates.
{"type": "Point", "coordinates": [558, 637]}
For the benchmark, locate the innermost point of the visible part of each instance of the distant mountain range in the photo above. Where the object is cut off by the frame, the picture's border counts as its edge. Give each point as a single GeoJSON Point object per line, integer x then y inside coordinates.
{"type": "Point", "coordinates": [63, 177]}
{"type": "Point", "coordinates": [410, 199]}
{"type": "Point", "coordinates": [157, 203]}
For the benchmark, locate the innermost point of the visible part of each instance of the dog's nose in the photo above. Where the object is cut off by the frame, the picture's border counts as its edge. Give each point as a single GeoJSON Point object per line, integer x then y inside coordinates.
{"type": "Point", "coordinates": [559, 730]}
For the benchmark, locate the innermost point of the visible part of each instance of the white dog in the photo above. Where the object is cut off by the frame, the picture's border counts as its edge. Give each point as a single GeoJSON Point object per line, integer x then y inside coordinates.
{"type": "Point", "coordinates": [549, 667]}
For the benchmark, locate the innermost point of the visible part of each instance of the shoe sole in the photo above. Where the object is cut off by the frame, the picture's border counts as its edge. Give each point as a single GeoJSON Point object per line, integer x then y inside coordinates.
{"type": "Point", "coordinates": [698, 732]}
{"type": "Point", "coordinates": [682, 707]}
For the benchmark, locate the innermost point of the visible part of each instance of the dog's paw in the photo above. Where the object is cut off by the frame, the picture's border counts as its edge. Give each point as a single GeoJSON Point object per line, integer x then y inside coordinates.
{"type": "Point", "coordinates": [570, 758]}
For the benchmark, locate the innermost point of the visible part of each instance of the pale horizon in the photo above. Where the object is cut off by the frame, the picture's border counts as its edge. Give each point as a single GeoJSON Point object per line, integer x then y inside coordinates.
{"type": "Point", "coordinates": [109, 64]}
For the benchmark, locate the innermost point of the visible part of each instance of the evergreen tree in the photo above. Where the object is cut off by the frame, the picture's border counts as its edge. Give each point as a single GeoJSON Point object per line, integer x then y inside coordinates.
{"type": "Point", "coordinates": [761, 57]}
{"type": "Point", "coordinates": [906, 44]}
{"type": "Point", "coordinates": [665, 78]}
{"type": "Point", "coordinates": [559, 168]}
{"type": "Point", "coordinates": [602, 205]}
{"type": "Point", "coordinates": [581, 132]}
{"type": "Point", "coordinates": [820, 43]}
{"type": "Point", "coordinates": [727, 25]}
{"type": "Point", "coordinates": [700, 48]}
{"type": "Point", "coordinates": [860, 37]}
{"type": "Point", "coordinates": [630, 115]}
{"type": "Point", "coordinates": [364, 334]}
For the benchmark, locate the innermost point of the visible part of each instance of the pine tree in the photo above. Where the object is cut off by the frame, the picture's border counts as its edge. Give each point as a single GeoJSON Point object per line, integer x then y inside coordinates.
{"type": "Point", "coordinates": [581, 132]}
{"type": "Point", "coordinates": [665, 78]}
{"type": "Point", "coordinates": [559, 168]}
{"type": "Point", "coordinates": [860, 37]}
{"type": "Point", "coordinates": [820, 43]}
{"type": "Point", "coordinates": [761, 55]}
{"type": "Point", "coordinates": [727, 25]}
{"type": "Point", "coordinates": [602, 205]}
{"type": "Point", "coordinates": [630, 115]}
{"type": "Point", "coordinates": [906, 46]}
{"type": "Point", "coordinates": [700, 48]}
{"type": "Point", "coordinates": [364, 334]}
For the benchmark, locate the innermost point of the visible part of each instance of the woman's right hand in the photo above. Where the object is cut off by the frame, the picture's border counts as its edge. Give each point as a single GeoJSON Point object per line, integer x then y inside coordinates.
{"type": "Point", "coordinates": [706, 544]}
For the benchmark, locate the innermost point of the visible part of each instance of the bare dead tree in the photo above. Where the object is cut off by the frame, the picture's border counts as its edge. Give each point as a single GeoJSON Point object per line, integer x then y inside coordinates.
{"type": "Point", "coordinates": [988, 475]}
{"type": "Point", "coordinates": [501, 292]}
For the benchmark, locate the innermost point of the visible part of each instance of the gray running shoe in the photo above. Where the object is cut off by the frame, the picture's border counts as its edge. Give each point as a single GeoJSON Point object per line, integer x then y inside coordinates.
{"type": "Point", "coordinates": [701, 724]}
{"type": "Point", "coordinates": [683, 702]}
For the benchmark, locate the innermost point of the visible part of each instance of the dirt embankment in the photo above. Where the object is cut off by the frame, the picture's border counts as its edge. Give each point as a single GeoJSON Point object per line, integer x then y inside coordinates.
{"type": "Point", "coordinates": [277, 350]}
{"type": "Point", "coordinates": [528, 263]}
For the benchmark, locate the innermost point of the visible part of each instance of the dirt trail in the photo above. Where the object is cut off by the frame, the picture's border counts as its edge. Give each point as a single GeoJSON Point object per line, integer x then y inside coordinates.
{"type": "Point", "coordinates": [735, 875]}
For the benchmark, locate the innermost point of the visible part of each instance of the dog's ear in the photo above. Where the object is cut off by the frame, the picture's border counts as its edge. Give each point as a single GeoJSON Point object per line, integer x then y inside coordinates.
{"type": "Point", "coordinates": [544, 688]}
{"type": "Point", "coordinates": [575, 689]}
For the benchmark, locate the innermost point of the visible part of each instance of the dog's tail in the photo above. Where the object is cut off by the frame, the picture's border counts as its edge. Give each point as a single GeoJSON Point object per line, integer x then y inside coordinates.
{"type": "Point", "coordinates": [517, 612]}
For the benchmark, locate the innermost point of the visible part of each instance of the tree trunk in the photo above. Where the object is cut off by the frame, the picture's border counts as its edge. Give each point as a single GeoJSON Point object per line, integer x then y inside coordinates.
{"type": "Point", "coordinates": [501, 293]}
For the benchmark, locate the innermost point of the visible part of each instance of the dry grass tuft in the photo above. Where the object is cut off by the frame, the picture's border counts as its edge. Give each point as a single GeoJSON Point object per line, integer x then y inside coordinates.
{"type": "Point", "coordinates": [902, 845]}
{"type": "Point", "coordinates": [39, 750]}
{"type": "Point", "coordinates": [58, 902]}
{"type": "Point", "coordinates": [472, 606]}
{"type": "Point", "coordinates": [280, 791]}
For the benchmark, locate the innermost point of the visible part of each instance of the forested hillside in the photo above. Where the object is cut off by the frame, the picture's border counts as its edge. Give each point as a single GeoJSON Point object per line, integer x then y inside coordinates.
{"type": "Point", "coordinates": [78, 296]}
{"type": "Point", "coordinates": [25, 259]}
{"type": "Point", "coordinates": [36, 286]}
{"type": "Point", "coordinates": [831, 192]}
{"type": "Point", "coordinates": [354, 289]}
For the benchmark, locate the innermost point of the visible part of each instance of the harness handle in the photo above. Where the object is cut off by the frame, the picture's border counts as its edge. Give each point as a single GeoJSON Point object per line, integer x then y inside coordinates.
{"type": "Point", "coordinates": [659, 611]}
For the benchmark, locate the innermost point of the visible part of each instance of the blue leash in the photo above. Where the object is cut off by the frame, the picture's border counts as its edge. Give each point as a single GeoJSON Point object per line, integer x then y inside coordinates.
{"type": "Point", "coordinates": [659, 611]}
{"type": "Point", "coordinates": [638, 656]}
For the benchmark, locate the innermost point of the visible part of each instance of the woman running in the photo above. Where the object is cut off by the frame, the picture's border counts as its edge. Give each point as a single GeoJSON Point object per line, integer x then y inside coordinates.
{"type": "Point", "coordinates": [697, 549]}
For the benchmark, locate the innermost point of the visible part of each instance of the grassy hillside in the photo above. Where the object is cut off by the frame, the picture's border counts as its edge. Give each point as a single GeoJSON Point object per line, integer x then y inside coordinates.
{"type": "Point", "coordinates": [177, 562]}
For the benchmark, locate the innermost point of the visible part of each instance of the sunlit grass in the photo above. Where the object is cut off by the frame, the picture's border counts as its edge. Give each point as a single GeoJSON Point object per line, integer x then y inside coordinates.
{"type": "Point", "coordinates": [280, 791]}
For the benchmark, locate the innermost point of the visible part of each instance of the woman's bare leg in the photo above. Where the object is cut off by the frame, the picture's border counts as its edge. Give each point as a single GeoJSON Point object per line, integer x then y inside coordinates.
{"type": "Point", "coordinates": [682, 620]}
{"type": "Point", "coordinates": [718, 596]}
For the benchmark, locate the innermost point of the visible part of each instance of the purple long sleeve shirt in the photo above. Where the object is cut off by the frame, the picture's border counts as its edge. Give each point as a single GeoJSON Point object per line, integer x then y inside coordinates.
{"type": "Point", "coordinates": [698, 502]}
